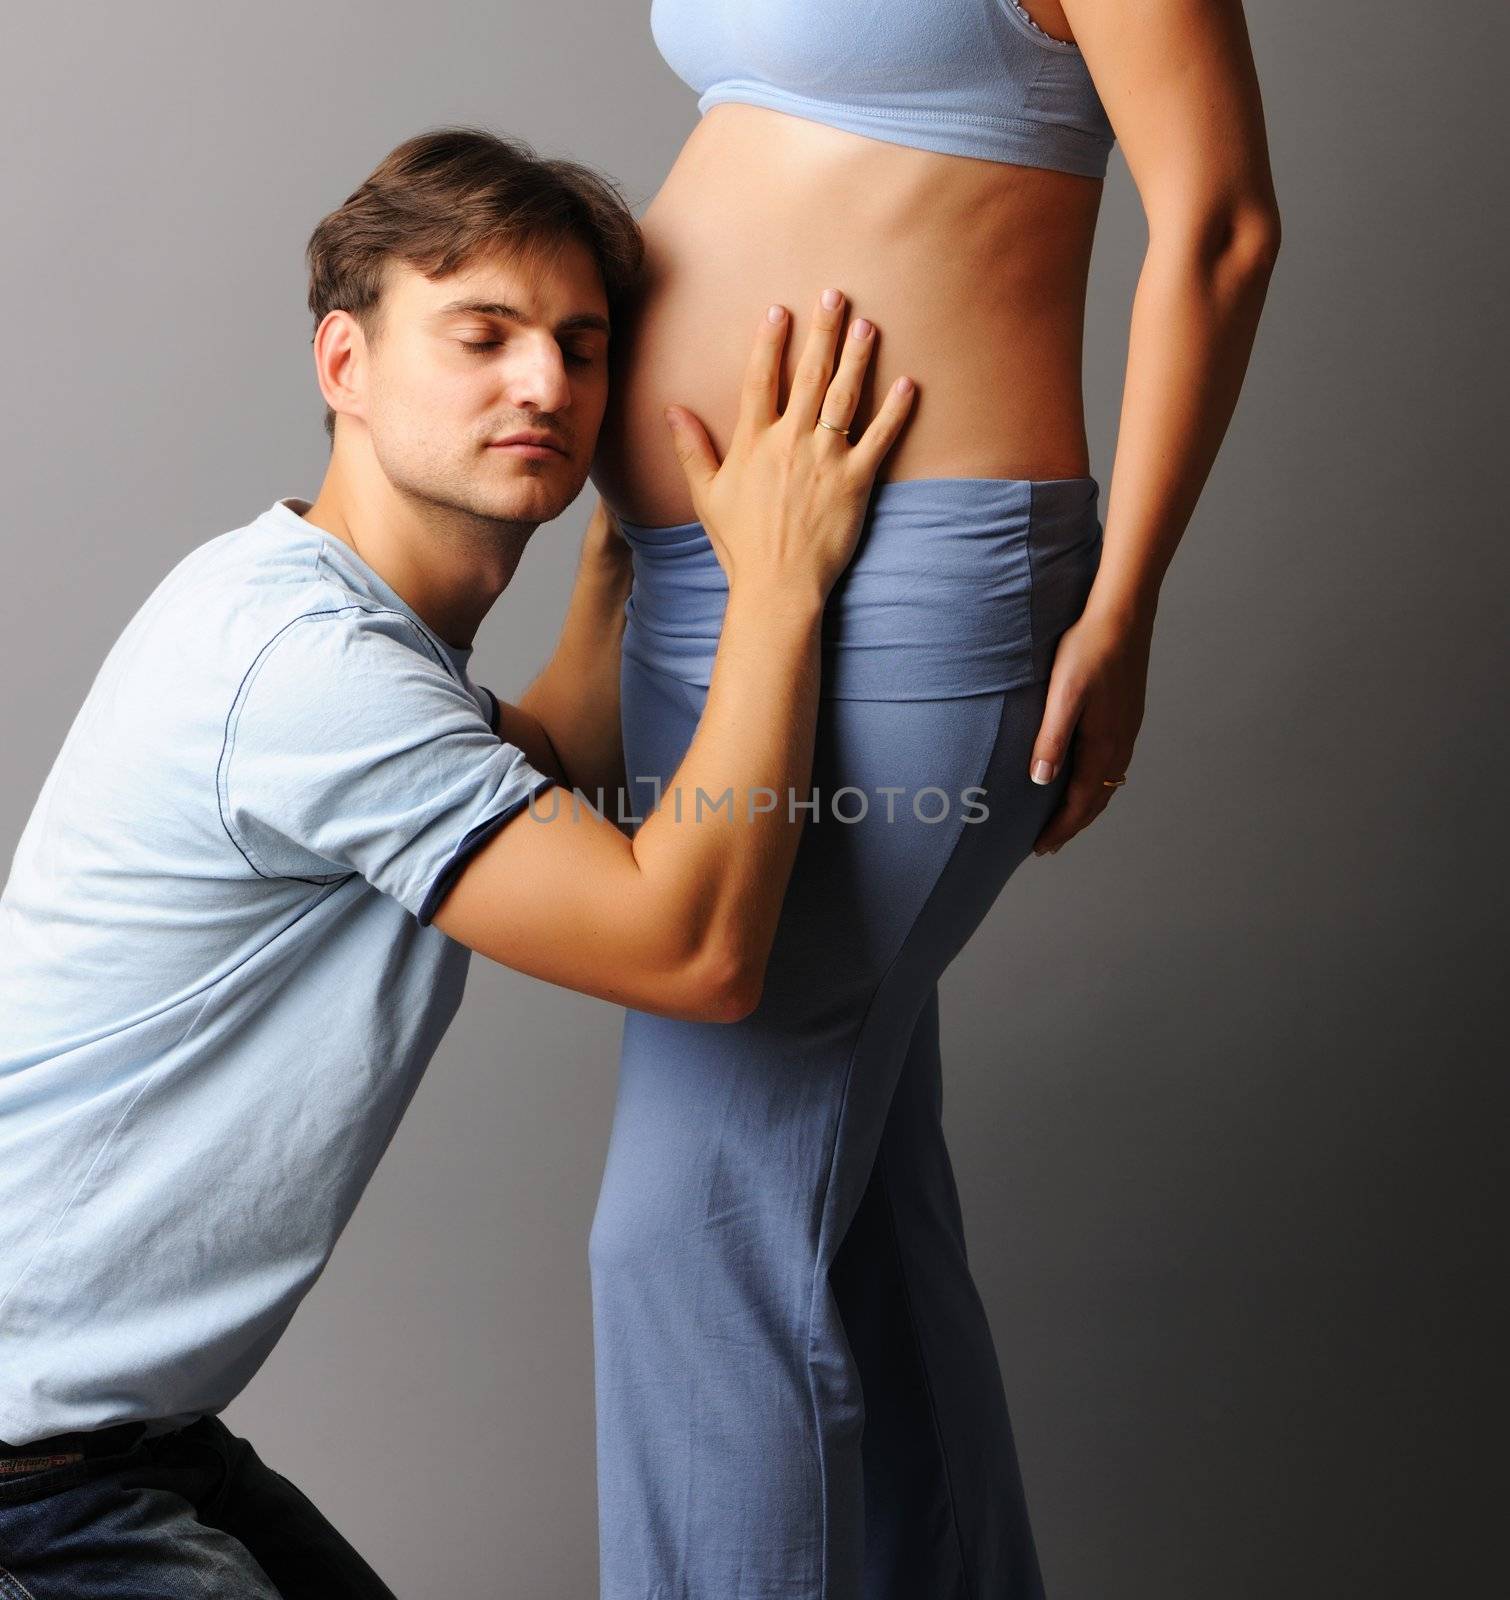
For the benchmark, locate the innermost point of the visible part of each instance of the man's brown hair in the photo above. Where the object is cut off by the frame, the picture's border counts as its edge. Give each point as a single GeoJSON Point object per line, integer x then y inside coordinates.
{"type": "Point", "coordinates": [451, 194]}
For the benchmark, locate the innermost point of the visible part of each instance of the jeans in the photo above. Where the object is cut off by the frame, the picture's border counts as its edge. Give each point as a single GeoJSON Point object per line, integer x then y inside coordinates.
{"type": "Point", "coordinates": [185, 1515]}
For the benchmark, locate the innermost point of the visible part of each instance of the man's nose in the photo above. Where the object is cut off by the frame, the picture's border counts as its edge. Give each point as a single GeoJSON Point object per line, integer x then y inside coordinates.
{"type": "Point", "coordinates": [538, 378]}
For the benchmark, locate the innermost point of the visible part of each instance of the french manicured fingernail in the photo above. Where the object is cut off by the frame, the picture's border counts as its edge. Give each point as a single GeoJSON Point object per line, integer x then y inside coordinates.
{"type": "Point", "coordinates": [831, 299]}
{"type": "Point", "coordinates": [775, 314]}
{"type": "Point", "coordinates": [1043, 772]}
{"type": "Point", "coordinates": [860, 329]}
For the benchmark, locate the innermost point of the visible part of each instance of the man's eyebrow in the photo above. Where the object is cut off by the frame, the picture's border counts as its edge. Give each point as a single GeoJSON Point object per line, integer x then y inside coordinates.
{"type": "Point", "coordinates": [491, 308]}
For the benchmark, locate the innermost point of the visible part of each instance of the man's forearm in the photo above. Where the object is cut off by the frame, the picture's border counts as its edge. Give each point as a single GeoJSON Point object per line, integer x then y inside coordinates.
{"type": "Point", "coordinates": [722, 860]}
{"type": "Point", "coordinates": [575, 699]}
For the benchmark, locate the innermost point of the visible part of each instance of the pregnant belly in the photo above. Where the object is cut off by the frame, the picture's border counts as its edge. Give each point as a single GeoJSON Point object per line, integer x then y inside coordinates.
{"type": "Point", "coordinates": [973, 271]}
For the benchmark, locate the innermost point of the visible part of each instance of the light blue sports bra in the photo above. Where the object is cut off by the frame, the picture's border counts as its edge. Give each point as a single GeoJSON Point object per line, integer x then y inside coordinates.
{"type": "Point", "coordinates": [965, 77]}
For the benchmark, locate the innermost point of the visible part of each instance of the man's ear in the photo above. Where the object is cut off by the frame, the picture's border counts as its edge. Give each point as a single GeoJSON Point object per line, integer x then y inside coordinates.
{"type": "Point", "coordinates": [340, 352]}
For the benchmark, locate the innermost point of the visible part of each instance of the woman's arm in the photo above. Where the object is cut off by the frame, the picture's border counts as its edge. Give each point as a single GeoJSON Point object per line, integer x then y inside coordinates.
{"type": "Point", "coordinates": [574, 702]}
{"type": "Point", "coordinates": [1177, 80]}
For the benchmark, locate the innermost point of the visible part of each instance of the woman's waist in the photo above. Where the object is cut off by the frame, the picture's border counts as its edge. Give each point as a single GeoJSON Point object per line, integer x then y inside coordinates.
{"type": "Point", "coordinates": [992, 405]}
{"type": "Point", "coordinates": [783, 185]}
{"type": "Point", "coordinates": [957, 586]}
{"type": "Point", "coordinates": [999, 379]}
{"type": "Point", "coordinates": [974, 273]}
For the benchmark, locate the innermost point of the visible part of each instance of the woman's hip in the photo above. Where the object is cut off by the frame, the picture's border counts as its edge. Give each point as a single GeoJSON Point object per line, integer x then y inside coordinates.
{"type": "Point", "coordinates": [921, 812]}
{"type": "Point", "coordinates": [913, 805]}
{"type": "Point", "coordinates": [958, 587]}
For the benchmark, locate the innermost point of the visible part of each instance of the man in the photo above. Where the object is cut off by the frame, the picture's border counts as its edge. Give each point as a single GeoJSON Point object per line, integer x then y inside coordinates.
{"type": "Point", "coordinates": [240, 916]}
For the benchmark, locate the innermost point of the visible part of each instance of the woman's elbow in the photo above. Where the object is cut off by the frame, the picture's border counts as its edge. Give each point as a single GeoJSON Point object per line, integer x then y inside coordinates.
{"type": "Point", "coordinates": [1244, 238]}
{"type": "Point", "coordinates": [1224, 239]}
{"type": "Point", "coordinates": [1256, 235]}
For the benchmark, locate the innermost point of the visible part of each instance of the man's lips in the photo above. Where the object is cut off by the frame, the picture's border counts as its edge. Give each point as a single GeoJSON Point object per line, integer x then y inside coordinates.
{"type": "Point", "coordinates": [529, 444]}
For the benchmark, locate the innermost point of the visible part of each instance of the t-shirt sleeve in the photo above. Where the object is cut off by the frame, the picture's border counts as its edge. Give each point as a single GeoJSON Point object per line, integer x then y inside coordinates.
{"type": "Point", "coordinates": [352, 747]}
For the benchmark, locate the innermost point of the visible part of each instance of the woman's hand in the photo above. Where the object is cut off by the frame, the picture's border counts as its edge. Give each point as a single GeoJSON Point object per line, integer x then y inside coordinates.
{"type": "Point", "coordinates": [1096, 693]}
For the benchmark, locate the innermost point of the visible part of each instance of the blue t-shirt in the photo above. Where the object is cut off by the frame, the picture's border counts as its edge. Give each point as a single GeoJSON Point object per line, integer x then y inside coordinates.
{"type": "Point", "coordinates": [219, 984]}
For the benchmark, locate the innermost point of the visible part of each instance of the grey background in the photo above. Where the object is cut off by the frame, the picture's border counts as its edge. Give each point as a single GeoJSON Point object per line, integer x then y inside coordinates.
{"type": "Point", "coordinates": [1218, 1078]}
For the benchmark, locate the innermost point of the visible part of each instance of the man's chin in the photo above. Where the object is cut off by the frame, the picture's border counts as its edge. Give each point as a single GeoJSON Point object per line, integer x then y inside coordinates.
{"type": "Point", "coordinates": [538, 497]}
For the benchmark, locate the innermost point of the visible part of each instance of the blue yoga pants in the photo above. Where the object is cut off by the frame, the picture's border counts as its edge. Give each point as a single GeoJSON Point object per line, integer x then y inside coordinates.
{"type": "Point", "coordinates": [797, 1392]}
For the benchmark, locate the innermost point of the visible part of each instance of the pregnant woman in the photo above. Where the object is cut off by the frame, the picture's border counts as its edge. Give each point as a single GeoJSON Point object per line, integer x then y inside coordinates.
{"type": "Point", "coordinates": [797, 1390]}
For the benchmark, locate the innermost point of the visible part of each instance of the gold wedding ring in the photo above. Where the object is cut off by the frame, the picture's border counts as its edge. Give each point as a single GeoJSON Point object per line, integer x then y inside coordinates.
{"type": "Point", "coordinates": [834, 425]}
{"type": "Point", "coordinates": [1111, 783]}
